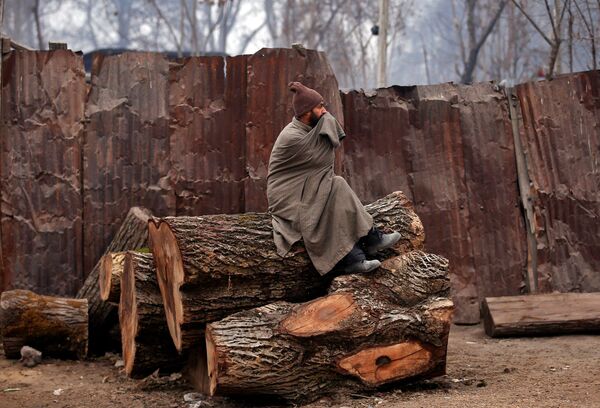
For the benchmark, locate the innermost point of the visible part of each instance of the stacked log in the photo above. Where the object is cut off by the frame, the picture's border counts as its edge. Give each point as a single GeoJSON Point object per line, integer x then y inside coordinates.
{"type": "Point", "coordinates": [145, 339]}
{"type": "Point", "coordinates": [209, 267]}
{"type": "Point", "coordinates": [368, 331]}
{"type": "Point", "coordinates": [103, 316]}
{"type": "Point", "coordinates": [58, 327]}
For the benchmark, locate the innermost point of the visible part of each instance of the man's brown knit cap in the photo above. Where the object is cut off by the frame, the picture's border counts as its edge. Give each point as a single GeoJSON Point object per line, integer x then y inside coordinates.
{"type": "Point", "coordinates": [305, 99]}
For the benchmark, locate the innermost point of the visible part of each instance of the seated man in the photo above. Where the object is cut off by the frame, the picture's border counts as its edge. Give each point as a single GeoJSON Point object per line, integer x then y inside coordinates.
{"type": "Point", "coordinates": [308, 201]}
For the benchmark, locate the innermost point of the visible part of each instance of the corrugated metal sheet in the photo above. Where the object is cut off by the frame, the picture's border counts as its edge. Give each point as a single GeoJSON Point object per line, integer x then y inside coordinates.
{"type": "Point", "coordinates": [561, 139]}
{"type": "Point", "coordinates": [43, 96]}
{"type": "Point", "coordinates": [207, 109]}
{"type": "Point", "coordinates": [126, 149]}
{"type": "Point", "coordinates": [450, 149]}
{"type": "Point", "coordinates": [269, 107]}
{"type": "Point", "coordinates": [194, 137]}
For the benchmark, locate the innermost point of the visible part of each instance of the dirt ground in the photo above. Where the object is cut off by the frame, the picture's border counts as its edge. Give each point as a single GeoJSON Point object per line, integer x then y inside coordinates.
{"type": "Point", "coordinates": [561, 371]}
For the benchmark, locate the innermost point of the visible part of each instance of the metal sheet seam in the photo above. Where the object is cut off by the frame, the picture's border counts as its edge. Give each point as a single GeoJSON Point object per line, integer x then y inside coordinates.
{"type": "Point", "coordinates": [524, 183]}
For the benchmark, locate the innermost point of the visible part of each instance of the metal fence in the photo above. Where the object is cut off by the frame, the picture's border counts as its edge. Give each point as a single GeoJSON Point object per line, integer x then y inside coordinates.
{"type": "Point", "coordinates": [193, 136]}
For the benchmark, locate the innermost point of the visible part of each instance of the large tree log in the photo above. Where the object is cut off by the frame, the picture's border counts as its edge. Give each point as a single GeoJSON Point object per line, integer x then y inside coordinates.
{"type": "Point", "coordinates": [109, 276]}
{"type": "Point", "coordinates": [541, 315]}
{"type": "Point", "coordinates": [103, 316]}
{"type": "Point", "coordinates": [211, 266]}
{"type": "Point", "coordinates": [368, 331]}
{"type": "Point", "coordinates": [145, 339]}
{"type": "Point", "coordinates": [58, 327]}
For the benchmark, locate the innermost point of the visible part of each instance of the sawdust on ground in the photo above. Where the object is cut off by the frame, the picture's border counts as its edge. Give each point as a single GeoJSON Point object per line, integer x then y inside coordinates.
{"type": "Point", "coordinates": [561, 371]}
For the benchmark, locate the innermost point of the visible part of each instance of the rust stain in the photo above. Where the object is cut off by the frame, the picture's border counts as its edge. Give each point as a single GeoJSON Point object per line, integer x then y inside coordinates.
{"type": "Point", "coordinates": [561, 137]}
{"type": "Point", "coordinates": [42, 112]}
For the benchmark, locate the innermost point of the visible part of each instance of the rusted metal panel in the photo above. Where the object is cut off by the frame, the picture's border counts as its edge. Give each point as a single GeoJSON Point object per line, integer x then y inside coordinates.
{"type": "Point", "coordinates": [269, 108]}
{"type": "Point", "coordinates": [450, 149]}
{"type": "Point", "coordinates": [206, 105]}
{"type": "Point", "coordinates": [43, 95]}
{"type": "Point", "coordinates": [561, 138]}
{"type": "Point", "coordinates": [127, 149]}
{"type": "Point", "coordinates": [496, 225]}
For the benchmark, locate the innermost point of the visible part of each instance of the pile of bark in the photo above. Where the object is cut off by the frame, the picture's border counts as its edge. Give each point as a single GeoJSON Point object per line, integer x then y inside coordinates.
{"type": "Point", "coordinates": [210, 295]}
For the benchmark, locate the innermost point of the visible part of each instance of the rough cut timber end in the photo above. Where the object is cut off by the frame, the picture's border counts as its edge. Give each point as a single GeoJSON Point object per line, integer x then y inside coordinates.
{"type": "Point", "coordinates": [128, 319]}
{"type": "Point", "coordinates": [109, 276]}
{"type": "Point", "coordinates": [169, 273]}
{"type": "Point", "coordinates": [378, 365]}
{"type": "Point", "coordinates": [320, 316]}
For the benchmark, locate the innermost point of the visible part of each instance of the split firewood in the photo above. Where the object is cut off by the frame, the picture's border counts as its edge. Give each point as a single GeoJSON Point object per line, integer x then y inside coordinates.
{"type": "Point", "coordinates": [211, 266]}
{"type": "Point", "coordinates": [58, 327]}
{"type": "Point", "coordinates": [145, 339]}
{"type": "Point", "coordinates": [109, 276]}
{"type": "Point", "coordinates": [370, 330]}
{"type": "Point", "coordinates": [103, 316]}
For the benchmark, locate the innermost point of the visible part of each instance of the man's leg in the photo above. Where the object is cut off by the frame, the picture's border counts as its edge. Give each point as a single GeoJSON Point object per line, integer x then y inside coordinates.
{"type": "Point", "coordinates": [356, 262]}
{"type": "Point", "coordinates": [376, 241]}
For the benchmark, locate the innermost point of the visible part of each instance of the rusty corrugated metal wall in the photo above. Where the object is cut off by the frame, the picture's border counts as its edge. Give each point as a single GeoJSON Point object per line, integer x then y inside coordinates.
{"type": "Point", "coordinates": [193, 136]}
{"type": "Point", "coordinates": [561, 138]}
{"type": "Point", "coordinates": [43, 96]}
{"type": "Point", "coordinates": [450, 149]}
{"type": "Point", "coordinates": [126, 148]}
{"type": "Point", "coordinates": [269, 108]}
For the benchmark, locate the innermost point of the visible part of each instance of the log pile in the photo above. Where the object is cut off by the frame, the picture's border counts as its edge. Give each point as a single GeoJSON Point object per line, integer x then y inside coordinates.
{"type": "Point", "coordinates": [212, 266]}
{"type": "Point", "coordinates": [214, 294]}
{"type": "Point", "coordinates": [103, 316]}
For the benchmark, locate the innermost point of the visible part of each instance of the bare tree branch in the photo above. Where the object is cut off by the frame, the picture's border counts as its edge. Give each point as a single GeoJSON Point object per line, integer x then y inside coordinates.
{"type": "Point", "coordinates": [533, 23]}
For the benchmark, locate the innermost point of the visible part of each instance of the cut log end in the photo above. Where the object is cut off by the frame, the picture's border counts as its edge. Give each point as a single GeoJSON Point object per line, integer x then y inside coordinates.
{"type": "Point", "coordinates": [379, 365]}
{"type": "Point", "coordinates": [128, 318]}
{"type": "Point", "coordinates": [170, 275]}
{"type": "Point", "coordinates": [111, 268]}
{"type": "Point", "coordinates": [321, 316]}
{"type": "Point", "coordinates": [211, 363]}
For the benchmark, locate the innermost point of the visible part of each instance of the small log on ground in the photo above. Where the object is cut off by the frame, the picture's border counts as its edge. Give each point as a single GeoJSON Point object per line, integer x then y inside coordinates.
{"type": "Point", "coordinates": [103, 316]}
{"type": "Point", "coordinates": [145, 339]}
{"type": "Point", "coordinates": [541, 315]}
{"type": "Point", "coordinates": [368, 331]}
{"type": "Point", "coordinates": [109, 276]}
{"type": "Point", "coordinates": [211, 266]}
{"type": "Point", "coordinates": [58, 327]}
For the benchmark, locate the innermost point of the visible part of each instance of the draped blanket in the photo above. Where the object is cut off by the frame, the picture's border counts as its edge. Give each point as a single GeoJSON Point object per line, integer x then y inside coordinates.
{"type": "Point", "coordinates": [307, 200]}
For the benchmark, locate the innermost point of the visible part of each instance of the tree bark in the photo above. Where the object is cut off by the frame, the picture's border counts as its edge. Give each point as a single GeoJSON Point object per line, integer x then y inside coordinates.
{"type": "Point", "coordinates": [58, 327]}
{"type": "Point", "coordinates": [145, 339]}
{"type": "Point", "coordinates": [211, 266]}
{"type": "Point", "coordinates": [368, 331]}
{"type": "Point", "coordinates": [133, 234]}
{"type": "Point", "coordinates": [109, 276]}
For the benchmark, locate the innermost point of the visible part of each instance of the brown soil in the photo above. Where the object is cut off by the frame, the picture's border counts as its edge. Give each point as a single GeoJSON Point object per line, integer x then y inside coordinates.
{"type": "Point", "coordinates": [561, 371]}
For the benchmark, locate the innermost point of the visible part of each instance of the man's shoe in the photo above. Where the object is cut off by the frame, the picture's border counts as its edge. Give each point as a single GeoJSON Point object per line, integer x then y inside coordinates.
{"type": "Point", "coordinates": [377, 241]}
{"type": "Point", "coordinates": [362, 266]}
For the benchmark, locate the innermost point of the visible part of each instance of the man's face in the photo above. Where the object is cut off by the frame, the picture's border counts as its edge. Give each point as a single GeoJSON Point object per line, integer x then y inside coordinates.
{"type": "Point", "coordinates": [316, 114]}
